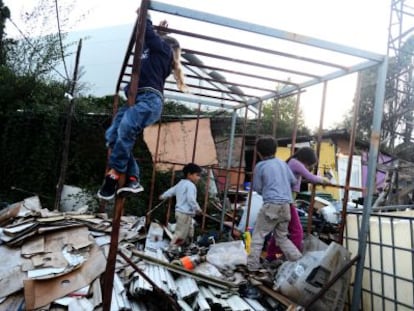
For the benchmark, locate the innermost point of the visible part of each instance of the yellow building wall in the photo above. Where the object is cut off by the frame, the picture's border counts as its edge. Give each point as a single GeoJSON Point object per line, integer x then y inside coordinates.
{"type": "Point", "coordinates": [327, 162]}
{"type": "Point", "coordinates": [283, 153]}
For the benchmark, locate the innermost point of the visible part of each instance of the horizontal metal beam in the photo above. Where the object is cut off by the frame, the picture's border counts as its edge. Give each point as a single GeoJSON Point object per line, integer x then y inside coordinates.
{"type": "Point", "coordinates": [245, 74]}
{"type": "Point", "coordinates": [249, 86]}
{"type": "Point", "coordinates": [250, 63]}
{"type": "Point", "coordinates": [255, 48]}
{"type": "Point", "coordinates": [197, 100]}
{"type": "Point", "coordinates": [263, 30]}
{"type": "Point", "coordinates": [331, 76]}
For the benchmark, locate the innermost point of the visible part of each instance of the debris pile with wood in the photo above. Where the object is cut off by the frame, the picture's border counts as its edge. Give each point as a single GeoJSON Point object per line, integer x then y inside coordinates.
{"type": "Point", "coordinates": [57, 261]}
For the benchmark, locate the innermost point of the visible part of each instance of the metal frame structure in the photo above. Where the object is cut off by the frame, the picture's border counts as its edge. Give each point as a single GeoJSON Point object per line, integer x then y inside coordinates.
{"type": "Point", "coordinates": [379, 294]}
{"type": "Point", "coordinates": [389, 266]}
{"type": "Point", "coordinates": [225, 73]}
{"type": "Point", "coordinates": [400, 38]}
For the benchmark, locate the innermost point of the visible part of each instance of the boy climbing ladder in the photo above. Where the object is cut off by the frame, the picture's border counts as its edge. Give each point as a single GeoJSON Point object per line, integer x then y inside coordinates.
{"type": "Point", "coordinates": [160, 56]}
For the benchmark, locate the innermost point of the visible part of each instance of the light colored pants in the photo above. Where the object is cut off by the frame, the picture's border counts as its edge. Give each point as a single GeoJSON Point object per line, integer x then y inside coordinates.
{"type": "Point", "coordinates": [295, 235]}
{"type": "Point", "coordinates": [183, 229]}
{"type": "Point", "coordinates": [272, 217]}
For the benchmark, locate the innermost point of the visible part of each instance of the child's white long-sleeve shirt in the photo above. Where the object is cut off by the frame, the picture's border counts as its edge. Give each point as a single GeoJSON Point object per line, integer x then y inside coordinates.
{"type": "Point", "coordinates": [185, 192]}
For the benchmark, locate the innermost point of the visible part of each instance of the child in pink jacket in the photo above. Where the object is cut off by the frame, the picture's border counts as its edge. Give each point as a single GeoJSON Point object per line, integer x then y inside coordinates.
{"type": "Point", "coordinates": [301, 162]}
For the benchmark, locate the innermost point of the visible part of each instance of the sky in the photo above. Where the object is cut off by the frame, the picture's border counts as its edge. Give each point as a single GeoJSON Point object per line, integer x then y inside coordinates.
{"type": "Point", "coordinates": [357, 23]}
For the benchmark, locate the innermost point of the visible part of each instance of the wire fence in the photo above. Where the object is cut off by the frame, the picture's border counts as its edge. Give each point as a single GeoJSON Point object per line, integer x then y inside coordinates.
{"type": "Point", "coordinates": [388, 280]}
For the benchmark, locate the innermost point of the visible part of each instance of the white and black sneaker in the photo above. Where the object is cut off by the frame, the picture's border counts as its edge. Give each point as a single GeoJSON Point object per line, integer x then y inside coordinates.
{"type": "Point", "coordinates": [131, 187]}
{"type": "Point", "coordinates": [108, 189]}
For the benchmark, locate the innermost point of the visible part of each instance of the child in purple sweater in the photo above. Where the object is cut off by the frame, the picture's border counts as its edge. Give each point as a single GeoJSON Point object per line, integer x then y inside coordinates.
{"type": "Point", "coordinates": [300, 163]}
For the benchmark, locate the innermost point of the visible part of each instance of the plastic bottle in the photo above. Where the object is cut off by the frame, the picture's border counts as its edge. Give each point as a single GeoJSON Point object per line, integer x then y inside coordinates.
{"type": "Point", "coordinates": [190, 262]}
{"type": "Point", "coordinates": [247, 239]}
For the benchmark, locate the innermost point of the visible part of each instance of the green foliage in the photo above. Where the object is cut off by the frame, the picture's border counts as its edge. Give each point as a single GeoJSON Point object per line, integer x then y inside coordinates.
{"type": "Point", "coordinates": [4, 15]}
{"type": "Point", "coordinates": [40, 51]}
{"type": "Point", "coordinates": [30, 152]}
{"type": "Point", "coordinates": [173, 108]}
{"type": "Point", "coordinates": [398, 105]}
{"type": "Point", "coordinates": [28, 93]}
{"type": "Point", "coordinates": [282, 114]}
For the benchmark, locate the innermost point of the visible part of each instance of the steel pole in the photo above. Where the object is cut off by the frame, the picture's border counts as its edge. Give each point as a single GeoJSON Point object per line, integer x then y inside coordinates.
{"type": "Point", "coordinates": [372, 164]}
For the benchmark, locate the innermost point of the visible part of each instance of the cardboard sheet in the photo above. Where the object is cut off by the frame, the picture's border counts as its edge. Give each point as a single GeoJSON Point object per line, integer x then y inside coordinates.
{"type": "Point", "coordinates": [9, 212]}
{"type": "Point", "coordinates": [45, 251]}
{"type": "Point", "coordinates": [39, 293]}
{"type": "Point", "coordinates": [11, 275]}
{"type": "Point", "coordinates": [33, 246]}
{"type": "Point", "coordinates": [177, 142]}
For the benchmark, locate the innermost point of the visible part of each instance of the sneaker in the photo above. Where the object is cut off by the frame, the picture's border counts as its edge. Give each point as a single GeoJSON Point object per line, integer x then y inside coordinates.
{"type": "Point", "coordinates": [132, 186]}
{"type": "Point", "coordinates": [108, 189]}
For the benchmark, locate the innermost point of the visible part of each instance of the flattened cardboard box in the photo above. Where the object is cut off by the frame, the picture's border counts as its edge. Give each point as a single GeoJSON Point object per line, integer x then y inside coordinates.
{"type": "Point", "coordinates": [11, 274]}
{"type": "Point", "coordinates": [39, 293]}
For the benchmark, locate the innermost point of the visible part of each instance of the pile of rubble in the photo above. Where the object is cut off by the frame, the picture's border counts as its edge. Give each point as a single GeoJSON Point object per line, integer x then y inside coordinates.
{"type": "Point", "coordinates": [57, 261]}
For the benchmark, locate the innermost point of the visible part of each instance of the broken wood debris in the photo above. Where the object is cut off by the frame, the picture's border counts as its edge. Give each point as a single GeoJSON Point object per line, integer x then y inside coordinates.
{"type": "Point", "coordinates": [56, 261]}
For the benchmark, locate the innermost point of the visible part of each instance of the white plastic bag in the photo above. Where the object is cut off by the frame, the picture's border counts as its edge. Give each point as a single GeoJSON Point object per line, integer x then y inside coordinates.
{"type": "Point", "coordinates": [227, 255]}
{"type": "Point", "coordinates": [301, 280]}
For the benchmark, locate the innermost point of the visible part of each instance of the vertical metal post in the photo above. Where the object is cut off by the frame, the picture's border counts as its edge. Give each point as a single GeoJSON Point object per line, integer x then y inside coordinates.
{"type": "Point", "coordinates": [259, 115]}
{"type": "Point", "coordinates": [240, 166]}
{"type": "Point", "coordinates": [119, 202]}
{"type": "Point", "coordinates": [321, 120]}
{"type": "Point", "coordinates": [206, 196]}
{"type": "Point", "coordinates": [318, 151]}
{"type": "Point", "coordinates": [295, 124]}
{"type": "Point", "coordinates": [275, 116]}
{"type": "Point", "coordinates": [196, 133]}
{"type": "Point", "coordinates": [372, 164]}
{"type": "Point", "coordinates": [350, 159]}
{"type": "Point", "coordinates": [167, 217]}
{"type": "Point", "coordinates": [154, 170]}
{"type": "Point", "coordinates": [68, 129]}
{"type": "Point", "coordinates": [229, 160]}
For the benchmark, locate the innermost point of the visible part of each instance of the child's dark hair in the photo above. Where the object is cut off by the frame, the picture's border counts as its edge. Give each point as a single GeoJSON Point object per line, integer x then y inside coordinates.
{"type": "Point", "coordinates": [191, 168]}
{"type": "Point", "coordinates": [306, 155]}
{"type": "Point", "coordinates": [266, 146]}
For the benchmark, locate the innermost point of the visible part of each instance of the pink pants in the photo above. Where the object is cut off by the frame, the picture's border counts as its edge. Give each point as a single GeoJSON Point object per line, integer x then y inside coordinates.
{"type": "Point", "coordinates": [295, 235]}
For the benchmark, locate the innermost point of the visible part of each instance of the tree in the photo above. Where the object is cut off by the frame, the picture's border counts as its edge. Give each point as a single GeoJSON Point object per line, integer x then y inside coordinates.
{"type": "Point", "coordinates": [41, 49]}
{"type": "Point", "coordinates": [4, 15]}
{"type": "Point", "coordinates": [278, 118]}
{"type": "Point", "coordinates": [398, 105]}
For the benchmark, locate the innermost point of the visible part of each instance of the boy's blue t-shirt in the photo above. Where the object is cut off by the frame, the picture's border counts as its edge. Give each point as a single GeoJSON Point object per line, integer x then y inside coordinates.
{"type": "Point", "coordinates": [273, 179]}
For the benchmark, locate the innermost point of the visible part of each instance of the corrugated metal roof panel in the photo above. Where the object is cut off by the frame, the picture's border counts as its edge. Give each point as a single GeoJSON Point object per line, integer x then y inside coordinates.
{"type": "Point", "coordinates": [238, 304]}
{"type": "Point", "coordinates": [202, 303]}
{"type": "Point", "coordinates": [186, 286]}
{"type": "Point", "coordinates": [255, 304]}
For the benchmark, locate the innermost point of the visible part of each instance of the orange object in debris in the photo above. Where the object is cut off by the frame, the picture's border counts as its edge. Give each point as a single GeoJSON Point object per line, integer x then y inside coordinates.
{"type": "Point", "coordinates": [189, 262]}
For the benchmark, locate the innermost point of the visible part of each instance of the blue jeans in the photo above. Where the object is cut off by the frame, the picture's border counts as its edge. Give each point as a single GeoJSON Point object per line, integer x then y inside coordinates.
{"type": "Point", "coordinates": [128, 123]}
